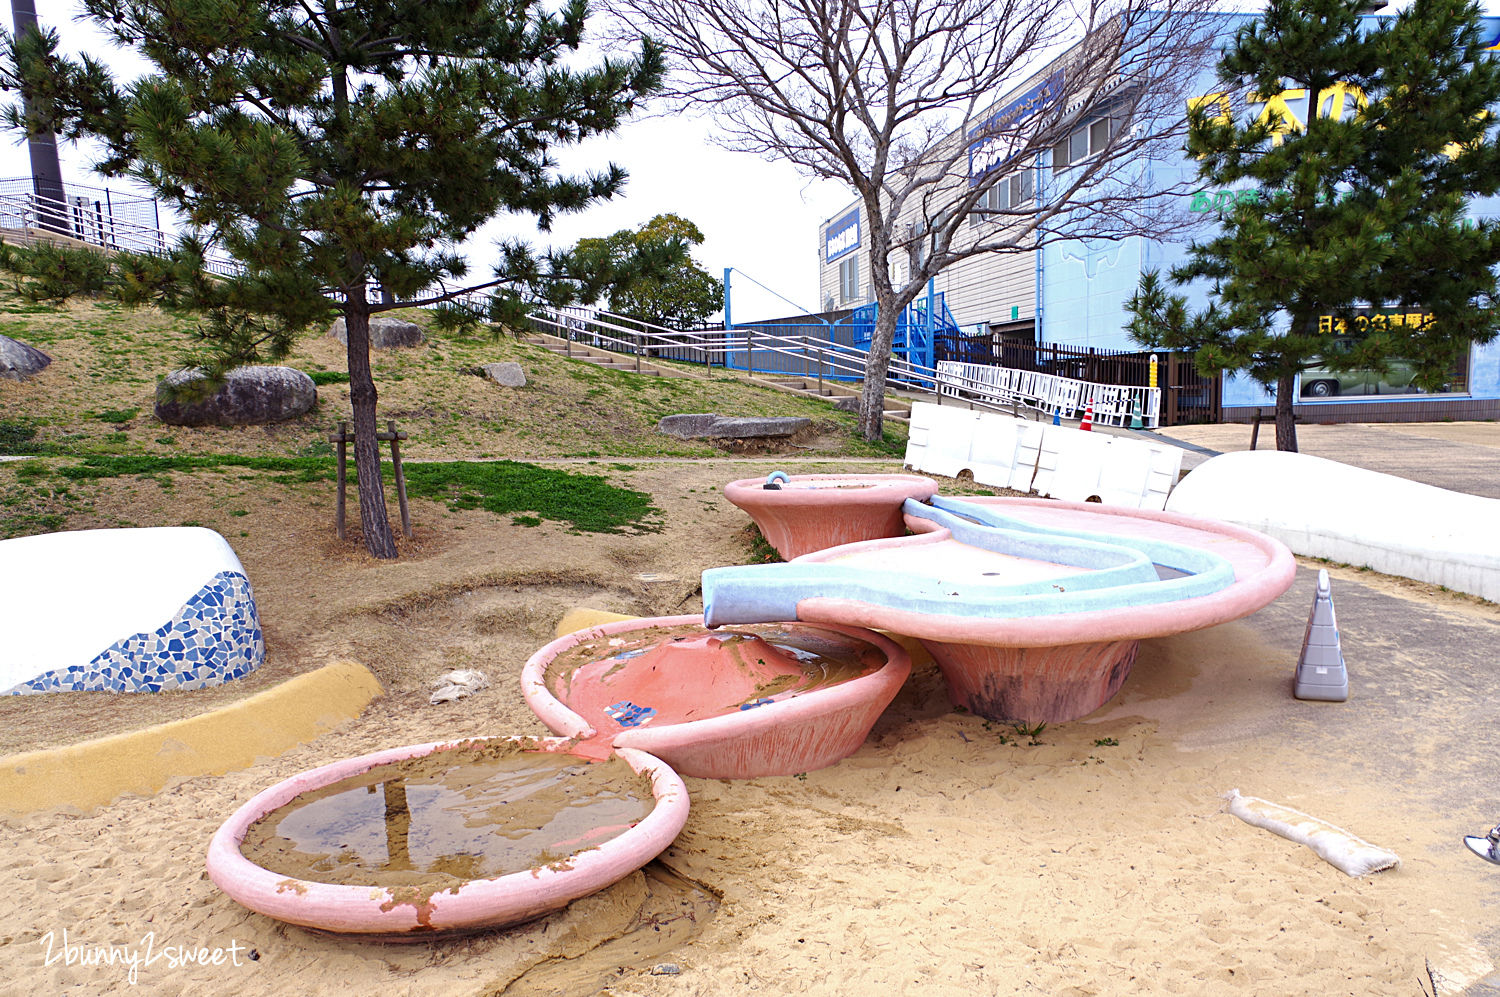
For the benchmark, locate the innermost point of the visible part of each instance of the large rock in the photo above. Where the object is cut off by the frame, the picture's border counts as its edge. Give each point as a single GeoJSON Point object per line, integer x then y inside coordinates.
{"type": "Point", "coordinates": [19, 361]}
{"type": "Point", "coordinates": [385, 333]}
{"type": "Point", "coordinates": [249, 396]}
{"type": "Point", "coordinates": [708, 426]}
{"type": "Point", "coordinates": [506, 373]}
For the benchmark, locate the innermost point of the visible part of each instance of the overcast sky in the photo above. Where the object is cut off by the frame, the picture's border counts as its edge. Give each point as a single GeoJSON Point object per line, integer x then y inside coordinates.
{"type": "Point", "coordinates": [759, 218]}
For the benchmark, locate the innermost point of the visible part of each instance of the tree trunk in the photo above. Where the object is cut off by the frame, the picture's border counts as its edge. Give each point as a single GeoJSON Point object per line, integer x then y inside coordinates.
{"type": "Point", "coordinates": [872, 394]}
{"type": "Point", "coordinates": [1286, 426]}
{"type": "Point", "coordinates": [379, 540]}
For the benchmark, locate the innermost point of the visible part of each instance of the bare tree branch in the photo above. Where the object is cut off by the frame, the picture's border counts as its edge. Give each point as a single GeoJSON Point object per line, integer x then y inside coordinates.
{"type": "Point", "coordinates": [906, 102]}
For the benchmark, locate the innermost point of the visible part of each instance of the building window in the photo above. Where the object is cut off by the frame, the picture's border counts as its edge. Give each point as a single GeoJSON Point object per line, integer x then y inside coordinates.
{"type": "Point", "coordinates": [1082, 142]}
{"type": "Point", "coordinates": [1013, 192]}
{"type": "Point", "coordinates": [849, 278]}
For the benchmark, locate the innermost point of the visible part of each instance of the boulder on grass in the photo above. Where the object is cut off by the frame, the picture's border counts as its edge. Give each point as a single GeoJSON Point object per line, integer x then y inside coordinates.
{"type": "Point", "coordinates": [19, 361]}
{"type": "Point", "coordinates": [249, 396]}
{"type": "Point", "coordinates": [708, 426]}
{"type": "Point", "coordinates": [385, 333]}
{"type": "Point", "coordinates": [506, 373]}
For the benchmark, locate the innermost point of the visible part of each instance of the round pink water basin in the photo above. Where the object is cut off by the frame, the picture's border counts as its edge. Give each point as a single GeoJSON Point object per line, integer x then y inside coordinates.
{"type": "Point", "coordinates": [811, 512]}
{"type": "Point", "coordinates": [734, 703]}
{"type": "Point", "coordinates": [426, 853]}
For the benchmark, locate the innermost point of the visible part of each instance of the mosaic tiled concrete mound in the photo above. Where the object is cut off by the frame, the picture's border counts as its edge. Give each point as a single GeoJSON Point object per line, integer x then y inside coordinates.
{"type": "Point", "coordinates": [132, 610]}
{"type": "Point", "coordinates": [214, 638]}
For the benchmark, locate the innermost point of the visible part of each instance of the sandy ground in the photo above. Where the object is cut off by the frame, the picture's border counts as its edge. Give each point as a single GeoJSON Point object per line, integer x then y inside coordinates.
{"type": "Point", "coordinates": [947, 856]}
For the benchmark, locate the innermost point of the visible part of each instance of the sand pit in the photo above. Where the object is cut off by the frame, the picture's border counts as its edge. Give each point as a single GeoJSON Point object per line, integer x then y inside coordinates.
{"type": "Point", "coordinates": [946, 856]}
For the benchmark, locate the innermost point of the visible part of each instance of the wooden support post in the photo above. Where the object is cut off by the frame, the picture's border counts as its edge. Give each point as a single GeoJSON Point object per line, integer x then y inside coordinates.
{"type": "Point", "coordinates": [343, 438]}
{"type": "Point", "coordinates": [1255, 429]}
{"type": "Point", "coordinates": [400, 479]}
{"type": "Point", "coordinates": [343, 453]}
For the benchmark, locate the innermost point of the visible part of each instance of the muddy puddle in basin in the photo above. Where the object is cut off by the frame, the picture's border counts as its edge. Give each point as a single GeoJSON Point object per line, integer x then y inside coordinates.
{"type": "Point", "coordinates": [473, 812]}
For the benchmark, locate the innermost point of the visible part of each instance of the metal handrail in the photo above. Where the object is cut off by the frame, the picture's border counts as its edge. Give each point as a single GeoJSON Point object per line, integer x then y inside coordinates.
{"type": "Point", "coordinates": [35, 213]}
{"type": "Point", "coordinates": [578, 322]}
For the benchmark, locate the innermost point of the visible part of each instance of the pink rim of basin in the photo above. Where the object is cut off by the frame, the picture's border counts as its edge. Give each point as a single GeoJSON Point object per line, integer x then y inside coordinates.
{"type": "Point", "coordinates": [815, 511]}
{"type": "Point", "coordinates": [476, 905]}
{"type": "Point", "coordinates": [1060, 667]}
{"type": "Point", "coordinates": [802, 733]}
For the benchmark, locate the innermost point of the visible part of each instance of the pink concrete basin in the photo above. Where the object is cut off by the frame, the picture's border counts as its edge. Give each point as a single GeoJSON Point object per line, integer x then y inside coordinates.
{"type": "Point", "coordinates": [1032, 608]}
{"type": "Point", "coordinates": [583, 864]}
{"type": "Point", "coordinates": [809, 512]}
{"type": "Point", "coordinates": [734, 703]}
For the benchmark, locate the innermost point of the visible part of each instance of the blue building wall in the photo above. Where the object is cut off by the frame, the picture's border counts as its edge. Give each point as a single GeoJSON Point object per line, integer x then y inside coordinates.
{"type": "Point", "coordinates": [1082, 286]}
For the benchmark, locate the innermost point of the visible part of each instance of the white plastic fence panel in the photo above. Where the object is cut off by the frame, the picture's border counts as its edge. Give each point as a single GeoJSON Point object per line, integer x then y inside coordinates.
{"type": "Point", "coordinates": [940, 438]}
{"type": "Point", "coordinates": [1075, 465]}
{"type": "Point", "coordinates": [1165, 465]}
{"type": "Point", "coordinates": [1114, 405]}
{"type": "Point", "coordinates": [1004, 451]}
{"type": "Point", "coordinates": [1079, 459]}
{"type": "Point", "coordinates": [1028, 451]}
{"type": "Point", "coordinates": [1124, 474]}
{"type": "Point", "coordinates": [1047, 458]}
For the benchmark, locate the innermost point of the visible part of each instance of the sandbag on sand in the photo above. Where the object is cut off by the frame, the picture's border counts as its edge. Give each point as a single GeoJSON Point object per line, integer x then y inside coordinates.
{"type": "Point", "coordinates": [1334, 845]}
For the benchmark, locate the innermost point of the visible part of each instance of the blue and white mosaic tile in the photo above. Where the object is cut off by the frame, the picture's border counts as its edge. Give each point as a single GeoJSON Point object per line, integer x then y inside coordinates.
{"type": "Point", "coordinates": [215, 637]}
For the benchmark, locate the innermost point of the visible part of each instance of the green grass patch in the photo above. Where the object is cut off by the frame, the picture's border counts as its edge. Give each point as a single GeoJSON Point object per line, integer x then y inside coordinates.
{"type": "Point", "coordinates": [14, 437]}
{"type": "Point", "coordinates": [760, 549]}
{"type": "Point", "coordinates": [118, 415]}
{"type": "Point", "coordinates": [586, 502]}
{"type": "Point", "coordinates": [329, 376]}
{"type": "Point", "coordinates": [117, 466]}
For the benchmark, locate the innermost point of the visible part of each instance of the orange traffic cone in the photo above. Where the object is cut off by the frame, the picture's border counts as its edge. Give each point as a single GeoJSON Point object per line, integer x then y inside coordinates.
{"type": "Point", "coordinates": [1087, 424]}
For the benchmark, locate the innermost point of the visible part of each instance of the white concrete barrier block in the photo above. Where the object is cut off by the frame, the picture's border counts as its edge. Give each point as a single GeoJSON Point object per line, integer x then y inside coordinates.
{"type": "Point", "coordinates": [1321, 508]}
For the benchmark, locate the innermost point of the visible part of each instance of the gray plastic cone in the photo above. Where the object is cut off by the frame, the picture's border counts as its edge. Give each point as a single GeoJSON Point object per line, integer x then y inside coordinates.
{"type": "Point", "coordinates": [1321, 673]}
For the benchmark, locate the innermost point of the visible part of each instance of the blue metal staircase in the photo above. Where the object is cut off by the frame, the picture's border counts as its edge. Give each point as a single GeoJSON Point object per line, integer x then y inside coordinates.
{"type": "Point", "coordinates": [917, 328]}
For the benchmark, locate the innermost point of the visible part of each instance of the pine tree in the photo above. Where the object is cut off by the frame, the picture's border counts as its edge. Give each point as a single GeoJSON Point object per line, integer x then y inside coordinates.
{"type": "Point", "coordinates": [331, 149]}
{"type": "Point", "coordinates": [1363, 204]}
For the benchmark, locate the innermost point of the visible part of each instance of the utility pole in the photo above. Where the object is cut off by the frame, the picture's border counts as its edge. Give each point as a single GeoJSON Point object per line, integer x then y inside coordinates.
{"type": "Point", "coordinates": [46, 171]}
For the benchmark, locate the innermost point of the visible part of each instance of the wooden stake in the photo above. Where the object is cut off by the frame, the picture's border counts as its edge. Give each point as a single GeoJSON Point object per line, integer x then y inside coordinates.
{"type": "Point", "coordinates": [400, 479]}
{"type": "Point", "coordinates": [343, 438]}
{"type": "Point", "coordinates": [343, 453]}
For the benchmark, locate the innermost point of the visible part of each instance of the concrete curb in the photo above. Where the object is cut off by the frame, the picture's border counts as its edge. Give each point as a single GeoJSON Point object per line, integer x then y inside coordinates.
{"type": "Point", "coordinates": [88, 775]}
{"type": "Point", "coordinates": [581, 618]}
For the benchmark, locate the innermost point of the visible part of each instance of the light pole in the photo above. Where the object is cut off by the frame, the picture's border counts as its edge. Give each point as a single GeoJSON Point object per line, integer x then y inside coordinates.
{"type": "Point", "coordinates": [46, 172]}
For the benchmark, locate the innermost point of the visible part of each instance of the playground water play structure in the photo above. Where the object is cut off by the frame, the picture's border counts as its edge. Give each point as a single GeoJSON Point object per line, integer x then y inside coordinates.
{"type": "Point", "coordinates": [1032, 609]}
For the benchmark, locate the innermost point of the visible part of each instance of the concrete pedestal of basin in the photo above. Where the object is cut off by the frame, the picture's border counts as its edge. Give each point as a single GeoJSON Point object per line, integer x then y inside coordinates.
{"type": "Point", "coordinates": [1031, 684]}
{"type": "Point", "coordinates": [809, 512]}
